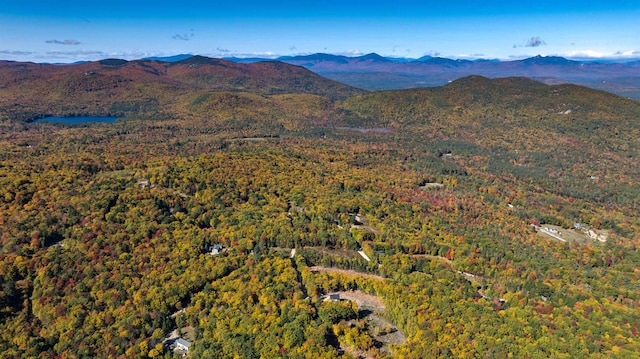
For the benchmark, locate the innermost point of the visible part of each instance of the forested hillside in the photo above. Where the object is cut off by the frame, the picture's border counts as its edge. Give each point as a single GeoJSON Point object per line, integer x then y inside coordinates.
{"type": "Point", "coordinates": [486, 218]}
{"type": "Point", "coordinates": [144, 87]}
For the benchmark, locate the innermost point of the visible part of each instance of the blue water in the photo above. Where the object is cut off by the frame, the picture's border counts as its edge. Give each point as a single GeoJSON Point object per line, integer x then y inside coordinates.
{"type": "Point", "coordinates": [76, 120]}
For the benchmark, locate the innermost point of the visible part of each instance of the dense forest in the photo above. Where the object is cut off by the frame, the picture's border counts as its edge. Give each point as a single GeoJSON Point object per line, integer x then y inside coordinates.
{"type": "Point", "coordinates": [482, 219]}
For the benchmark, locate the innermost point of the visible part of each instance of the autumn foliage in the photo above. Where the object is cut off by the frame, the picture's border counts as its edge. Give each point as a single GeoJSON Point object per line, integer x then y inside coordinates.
{"type": "Point", "coordinates": [107, 230]}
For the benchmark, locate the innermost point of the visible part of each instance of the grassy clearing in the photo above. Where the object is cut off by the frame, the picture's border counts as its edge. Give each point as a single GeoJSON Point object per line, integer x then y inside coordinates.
{"type": "Point", "coordinates": [568, 235]}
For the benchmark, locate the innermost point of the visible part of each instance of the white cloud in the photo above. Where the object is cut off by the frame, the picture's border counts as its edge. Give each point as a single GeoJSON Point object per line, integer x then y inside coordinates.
{"type": "Point", "coordinates": [91, 55]}
{"type": "Point", "coordinates": [518, 57]}
{"type": "Point", "coordinates": [16, 52]}
{"type": "Point", "coordinates": [82, 53]}
{"type": "Point", "coordinates": [588, 54]}
{"type": "Point", "coordinates": [470, 56]}
{"type": "Point", "coordinates": [593, 54]}
{"type": "Point", "coordinates": [267, 54]}
{"type": "Point", "coordinates": [628, 53]}
{"type": "Point", "coordinates": [132, 55]}
{"type": "Point", "coordinates": [63, 42]}
{"type": "Point", "coordinates": [353, 53]}
{"type": "Point", "coordinates": [432, 53]}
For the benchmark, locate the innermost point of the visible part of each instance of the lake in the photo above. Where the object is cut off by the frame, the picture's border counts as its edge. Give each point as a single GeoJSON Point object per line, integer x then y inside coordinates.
{"type": "Point", "coordinates": [76, 120]}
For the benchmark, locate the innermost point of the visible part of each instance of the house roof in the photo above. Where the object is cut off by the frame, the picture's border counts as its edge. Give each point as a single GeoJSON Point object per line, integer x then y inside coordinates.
{"type": "Point", "coordinates": [183, 342]}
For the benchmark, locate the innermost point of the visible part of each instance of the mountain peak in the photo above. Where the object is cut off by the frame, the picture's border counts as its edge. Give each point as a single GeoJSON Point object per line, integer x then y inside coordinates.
{"type": "Point", "coordinates": [173, 58]}
{"type": "Point", "coordinates": [199, 60]}
{"type": "Point", "coordinates": [314, 58]}
{"type": "Point", "coordinates": [373, 57]}
{"type": "Point", "coordinates": [548, 60]}
{"type": "Point", "coordinates": [113, 62]}
{"type": "Point", "coordinates": [424, 58]}
{"type": "Point", "coordinates": [443, 61]}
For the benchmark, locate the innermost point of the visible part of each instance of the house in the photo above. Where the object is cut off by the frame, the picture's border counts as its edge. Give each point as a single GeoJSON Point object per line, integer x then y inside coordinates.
{"type": "Point", "coordinates": [215, 249]}
{"type": "Point", "coordinates": [332, 297]}
{"type": "Point", "coordinates": [143, 183]}
{"type": "Point", "coordinates": [182, 344]}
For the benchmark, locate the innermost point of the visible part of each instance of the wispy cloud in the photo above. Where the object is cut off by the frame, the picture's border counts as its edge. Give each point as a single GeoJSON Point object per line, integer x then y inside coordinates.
{"type": "Point", "coordinates": [627, 53]}
{"type": "Point", "coordinates": [588, 55]}
{"type": "Point", "coordinates": [535, 41]}
{"type": "Point", "coordinates": [267, 54]}
{"type": "Point", "coordinates": [79, 53]}
{"type": "Point", "coordinates": [16, 52]}
{"type": "Point", "coordinates": [224, 51]}
{"type": "Point", "coordinates": [593, 54]}
{"type": "Point", "coordinates": [65, 56]}
{"type": "Point", "coordinates": [91, 55]}
{"type": "Point", "coordinates": [470, 56]}
{"type": "Point", "coordinates": [432, 53]}
{"type": "Point", "coordinates": [184, 37]}
{"type": "Point", "coordinates": [352, 53]}
{"type": "Point", "coordinates": [64, 42]}
{"type": "Point", "coordinates": [132, 55]}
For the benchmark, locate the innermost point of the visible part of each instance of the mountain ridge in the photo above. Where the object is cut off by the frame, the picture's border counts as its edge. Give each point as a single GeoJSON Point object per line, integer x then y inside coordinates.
{"type": "Point", "coordinates": [374, 72]}
{"type": "Point", "coordinates": [121, 87]}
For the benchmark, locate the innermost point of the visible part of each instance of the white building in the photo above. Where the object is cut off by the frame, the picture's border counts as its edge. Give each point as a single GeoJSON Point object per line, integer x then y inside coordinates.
{"type": "Point", "coordinates": [182, 344]}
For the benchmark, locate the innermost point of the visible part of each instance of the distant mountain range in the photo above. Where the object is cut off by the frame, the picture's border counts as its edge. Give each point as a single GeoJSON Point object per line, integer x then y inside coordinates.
{"type": "Point", "coordinates": [375, 72]}
{"type": "Point", "coordinates": [174, 58]}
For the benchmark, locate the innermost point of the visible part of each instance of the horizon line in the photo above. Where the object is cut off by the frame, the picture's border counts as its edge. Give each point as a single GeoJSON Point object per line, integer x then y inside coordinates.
{"type": "Point", "coordinates": [270, 56]}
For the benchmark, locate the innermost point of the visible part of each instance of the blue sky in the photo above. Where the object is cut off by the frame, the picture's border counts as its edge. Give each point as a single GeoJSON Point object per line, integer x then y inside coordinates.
{"type": "Point", "coordinates": [68, 31]}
